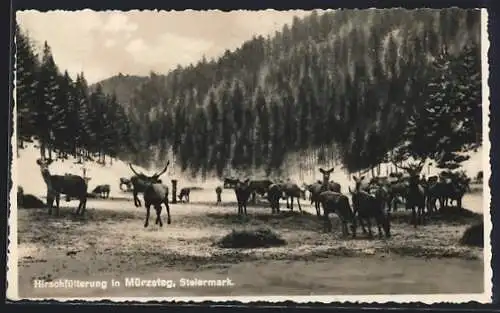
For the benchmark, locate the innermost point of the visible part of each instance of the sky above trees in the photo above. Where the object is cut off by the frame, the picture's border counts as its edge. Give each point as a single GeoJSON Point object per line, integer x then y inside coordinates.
{"type": "Point", "coordinates": [103, 44]}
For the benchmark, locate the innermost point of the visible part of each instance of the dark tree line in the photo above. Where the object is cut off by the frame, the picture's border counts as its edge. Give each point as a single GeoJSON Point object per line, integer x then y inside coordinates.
{"type": "Point", "coordinates": [61, 113]}
{"type": "Point", "coordinates": [344, 86]}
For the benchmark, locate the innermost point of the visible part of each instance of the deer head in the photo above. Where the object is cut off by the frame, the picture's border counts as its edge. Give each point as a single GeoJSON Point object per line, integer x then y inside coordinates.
{"type": "Point", "coordinates": [44, 163]}
{"type": "Point", "coordinates": [358, 181]}
{"type": "Point", "coordinates": [154, 178]}
{"type": "Point", "coordinates": [326, 174]}
{"type": "Point", "coordinates": [413, 170]}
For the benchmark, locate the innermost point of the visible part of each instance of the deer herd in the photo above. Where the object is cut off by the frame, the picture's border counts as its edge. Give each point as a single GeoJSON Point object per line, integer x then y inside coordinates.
{"type": "Point", "coordinates": [372, 200]}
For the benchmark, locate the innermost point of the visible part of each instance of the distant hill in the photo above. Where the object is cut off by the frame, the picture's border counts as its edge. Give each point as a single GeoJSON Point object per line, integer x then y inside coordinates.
{"type": "Point", "coordinates": [123, 86]}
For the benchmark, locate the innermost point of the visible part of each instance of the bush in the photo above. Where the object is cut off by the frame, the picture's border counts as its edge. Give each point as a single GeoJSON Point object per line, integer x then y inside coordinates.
{"type": "Point", "coordinates": [473, 236]}
{"type": "Point", "coordinates": [255, 238]}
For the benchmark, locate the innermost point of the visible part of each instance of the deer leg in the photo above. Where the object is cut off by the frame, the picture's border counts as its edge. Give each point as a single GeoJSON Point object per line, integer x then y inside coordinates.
{"type": "Point", "coordinates": [137, 202]}
{"type": "Point", "coordinates": [58, 198]}
{"type": "Point", "coordinates": [327, 222]}
{"type": "Point", "coordinates": [422, 214]}
{"type": "Point", "coordinates": [369, 224]}
{"type": "Point", "coordinates": [148, 207]}
{"type": "Point", "coordinates": [345, 232]}
{"type": "Point", "coordinates": [354, 226]}
{"type": "Point", "coordinates": [50, 202]}
{"type": "Point", "coordinates": [158, 209]}
{"type": "Point", "coordinates": [298, 203]}
{"type": "Point", "coordinates": [167, 207]}
{"type": "Point", "coordinates": [291, 203]}
{"type": "Point", "coordinates": [414, 216]}
{"type": "Point", "coordinates": [83, 205]}
{"type": "Point", "coordinates": [362, 223]}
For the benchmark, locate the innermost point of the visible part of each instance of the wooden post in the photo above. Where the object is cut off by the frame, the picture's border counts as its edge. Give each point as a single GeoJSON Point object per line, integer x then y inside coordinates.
{"type": "Point", "coordinates": [174, 191]}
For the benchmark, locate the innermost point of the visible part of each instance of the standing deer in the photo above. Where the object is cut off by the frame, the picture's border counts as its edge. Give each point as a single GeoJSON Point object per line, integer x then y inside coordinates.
{"type": "Point", "coordinates": [155, 194]}
{"type": "Point", "coordinates": [314, 191]}
{"type": "Point", "coordinates": [273, 196]}
{"type": "Point", "coordinates": [242, 191]}
{"type": "Point", "coordinates": [415, 195]}
{"type": "Point", "coordinates": [291, 191]}
{"type": "Point", "coordinates": [141, 181]}
{"type": "Point", "coordinates": [70, 185]}
{"type": "Point", "coordinates": [335, 202]}
{"type": "Point", "coordinates": [326, 178]}
{"type": "Point", "coordinates": [328, 184]}
{"type": "Point", "coordinates": [218, 191]}
{"type": "Point", "coordinates": [369, 203]}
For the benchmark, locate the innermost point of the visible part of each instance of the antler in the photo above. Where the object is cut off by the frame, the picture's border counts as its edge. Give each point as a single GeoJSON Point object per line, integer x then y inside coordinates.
{"type": "Point", "coordinates": [130, 165]}
{"type": "Point", "coordinates": [326, 171]}
{"type": "Point", "coordinates": [401, 167]}
{"type": "Point", "coordinates": [420, 165]}
{"type": "Point", "coordinates": [163, 171]}
{"type": "Point", "coordinates": [361, 176]}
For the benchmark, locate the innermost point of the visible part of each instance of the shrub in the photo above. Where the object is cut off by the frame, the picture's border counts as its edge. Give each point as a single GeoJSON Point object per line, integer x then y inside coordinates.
{"type": "Point", "coordinates": [253, 238]}
{"type": "Point", "coordinates": [473, 236]}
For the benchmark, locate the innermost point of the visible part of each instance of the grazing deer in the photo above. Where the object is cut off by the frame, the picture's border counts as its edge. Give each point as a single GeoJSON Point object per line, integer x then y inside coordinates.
{"type": "Point", "coordinates": [71, 185]}
{"type": "Point", "coordinates": [218, 191]}
{"type": "Point", "coordinates": [126, 182]}
{"type": "Point", "coordinates": [102, 190]}
{"type": "Point", "coordinates": [335, 202]}
{"type": "Point", "coordinates": [184, 194]}
{"type": "Point", "coordinates": [141, 181]}
{"type": "Point", "coordinates": [242, 191]}
{"type": "Point", "coordinates": [415, 194]}
{"type": "Point", "coordinates": [368, 203]}
{"type": "Point", "coordinates": [259, 187]}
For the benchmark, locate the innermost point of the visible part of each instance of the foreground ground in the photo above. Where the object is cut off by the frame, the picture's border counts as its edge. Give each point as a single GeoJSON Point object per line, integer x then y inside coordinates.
{"type": "Point", "coordinates": [110, 243]}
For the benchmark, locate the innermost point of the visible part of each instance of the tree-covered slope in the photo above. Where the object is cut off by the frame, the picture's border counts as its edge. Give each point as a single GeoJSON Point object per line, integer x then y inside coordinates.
{"type": "Point", "coordinates": [343, 85]}
{"type": "Point", "coordinates": [122, 86]}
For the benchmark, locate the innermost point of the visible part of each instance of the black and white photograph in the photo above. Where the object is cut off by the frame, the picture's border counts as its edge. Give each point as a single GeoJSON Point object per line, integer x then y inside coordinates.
{"type": "Point", "coordinates": [310, 156]}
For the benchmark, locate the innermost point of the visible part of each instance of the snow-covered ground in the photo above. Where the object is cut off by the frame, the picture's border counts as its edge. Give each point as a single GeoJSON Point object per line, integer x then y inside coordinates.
{"type": "Point", "coordinates": [29, 177]}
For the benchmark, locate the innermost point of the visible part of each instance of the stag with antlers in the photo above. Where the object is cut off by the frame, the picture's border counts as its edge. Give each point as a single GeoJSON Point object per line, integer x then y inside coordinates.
{"type": "Point", "coordinates": [415, 195]}
{"type": "Point", "coordinates": [72, 186]}
{"type": "Point", "coordinates": [141, 181]}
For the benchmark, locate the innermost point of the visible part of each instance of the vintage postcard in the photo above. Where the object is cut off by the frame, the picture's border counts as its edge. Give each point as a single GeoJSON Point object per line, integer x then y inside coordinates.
{"type": "Point", "coordinates": [324, 156]}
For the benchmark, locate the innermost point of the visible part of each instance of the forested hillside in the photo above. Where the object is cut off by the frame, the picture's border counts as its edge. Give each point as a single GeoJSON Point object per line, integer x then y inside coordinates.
{"type": "Point", "coordinates": [348, 85]}
{"type": "Point", "coordinates": [122, 86]}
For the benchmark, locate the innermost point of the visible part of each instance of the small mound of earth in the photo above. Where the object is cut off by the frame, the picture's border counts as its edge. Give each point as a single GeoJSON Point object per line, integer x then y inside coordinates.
{"type": "Point", "coordinates": [457, 212]}
{"type": "Point", "coordinates": [28, 201]}
{"type": "Point", "coordinates": [473, 236]}
{"type": "Point", "coordinates": [253, 238]}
